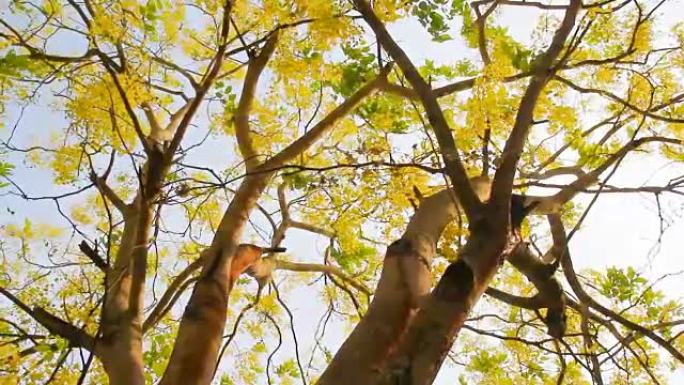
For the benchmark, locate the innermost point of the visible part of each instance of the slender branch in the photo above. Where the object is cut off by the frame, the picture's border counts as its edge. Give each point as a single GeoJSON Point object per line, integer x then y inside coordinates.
{"type": "Point", "coordinates": [36, 54]}
{"type": "Point", "coordinates": [461, 85]}
{"type": "Point", "coordinates": [542, 72]}
{"type": "Point", "coordinates": [93, 255]}
{"type": "Point", "coordinates": [129, 108]}
{"type": "Point", "coordinates": [612, 120]}
{"type": "Point", "coordinates": [454, 166]}
{"type": "Point", "coordinates": [241, 118]}
{"type": "Point", "coordinates": [110, 194]}
{"type": "Point", "coordinates": [481, 22]}
{"type": "Point", "coordinates": [167, 299]}
{"type": "Point", "coordinates": [562, 252]}
{"type": "Point", "coordinates": [552, 204]}
{"type": "Point", "coordinates": [55, 325]}
{"type": "Point", "coordinates": [204, 86]}
{"type": "Point", "coordinates": [535, 4]}
{"type": "Point", "coordinates": [327, 269]}
{"type": "Point", "coordinates": [615, 98]}
{"type": "Point", "coordinates": [531, 303]}
{"type": "Point", "coordinates": [306, 140]}
{"type": "Point", "coordinates": [311, 228]}
{"type": "Point", "coordinates": [177, 68]}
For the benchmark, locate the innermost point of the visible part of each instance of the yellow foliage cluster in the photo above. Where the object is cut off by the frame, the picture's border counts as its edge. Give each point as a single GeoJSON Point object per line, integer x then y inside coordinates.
{"type": "Point", "coordinates": [30, 231]}
{"type": "Point", "coordinates": [100, 112]}
{"type": "Point", "coordinates": [488, 107]}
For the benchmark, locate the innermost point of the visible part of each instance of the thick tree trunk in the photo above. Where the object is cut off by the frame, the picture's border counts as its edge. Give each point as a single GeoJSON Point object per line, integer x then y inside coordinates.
{"type": "Point", "coordinates": [435, 327]}
{"type": "Point", "coordinates": [403, 285]}
{"type": "Point", "coordinates": [122, 355]}
{"type": "Point", "coordinates": [199, 337]}
{"type": "Point", "coordinates": [120, 347]}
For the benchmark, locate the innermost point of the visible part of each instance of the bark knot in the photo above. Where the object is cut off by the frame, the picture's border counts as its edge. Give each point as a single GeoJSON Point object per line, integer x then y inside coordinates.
{"type": "Point", "coordinates": [457, 282]}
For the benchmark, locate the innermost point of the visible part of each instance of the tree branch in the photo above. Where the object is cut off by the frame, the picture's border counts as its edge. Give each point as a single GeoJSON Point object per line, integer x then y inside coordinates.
{"type": "Point", "coordinates": [108, 193]}
{"type": "Point", "coordinates": [205, 84]}
{"type": "Point", "coordinates": [448, 89]}
{"type": "Point", "coordinates": [523, 3]}
{"type": "Point", "coordinates": [54, 324]}
{"type": "Point", "coordinates": [241, 117]}
{"type": "Point", "coordinates": [562, 252]}
{"type": "Point", "coordinates": [550, 292]}
{"type": "Point", "coordinates": [542, 72]}
{"type": "Point", "coordinates": [305, 141]}
{"type": "Point", "coordinates": [93, 255]}
{"type": "Point", "coordinates": [530, 303]}
{"type": "Point", "coordinates": [553, 204]}
{"type": "Point", "coordinates": [326, 269]}
{"type": "Point", "coordinates": [311, 228]}
{"type": "Point", "coordinates": [454, 166]}
{"type": "Point", "coordinates": [481, 22]}
{"type": "Point", "coordinates": [176, 287]}
{"type": "Point", "coordinates": [619, 100]}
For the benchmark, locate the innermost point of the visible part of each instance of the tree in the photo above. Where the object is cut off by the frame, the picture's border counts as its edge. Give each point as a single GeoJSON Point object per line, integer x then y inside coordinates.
{"type": "Point", "coordinates": [157, 223]}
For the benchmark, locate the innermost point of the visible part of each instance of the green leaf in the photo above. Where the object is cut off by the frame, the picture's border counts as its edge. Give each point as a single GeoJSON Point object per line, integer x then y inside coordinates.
{"type": "Point", "coordinates": [6, 168]}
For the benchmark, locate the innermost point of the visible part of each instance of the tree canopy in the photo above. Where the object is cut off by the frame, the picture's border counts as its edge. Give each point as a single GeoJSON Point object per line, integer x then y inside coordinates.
{"type": "Point", "coordinates": [157, 157]}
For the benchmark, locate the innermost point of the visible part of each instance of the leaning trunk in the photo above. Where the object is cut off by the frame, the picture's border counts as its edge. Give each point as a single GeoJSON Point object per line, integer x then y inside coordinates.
{"type": "Point", "coordinates": [434, 329]}
{"type": "Point", "coordinates": [194, 355]}
{"type": "Point", "coordinates": [403, 285]}
{"type": "Point", "coordinates": [195, 352]}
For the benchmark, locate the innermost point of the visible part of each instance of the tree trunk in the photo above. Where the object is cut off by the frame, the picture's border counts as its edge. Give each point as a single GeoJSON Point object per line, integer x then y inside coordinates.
{"type": "Point", "coordinates": [120, 346]}
{"type": "Point", "coordinates": [196, 349]}
{"type": "Point", "coordinates": [403, 285]}
{"type": "Point", "coordinates": [435, 327]}
{"type": "Point", "coordinates": [122, 356]}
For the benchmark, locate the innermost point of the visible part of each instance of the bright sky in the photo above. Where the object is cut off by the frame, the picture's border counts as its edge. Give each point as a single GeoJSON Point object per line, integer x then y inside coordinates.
{"type": "Point", "coordinates": [621, 230]}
